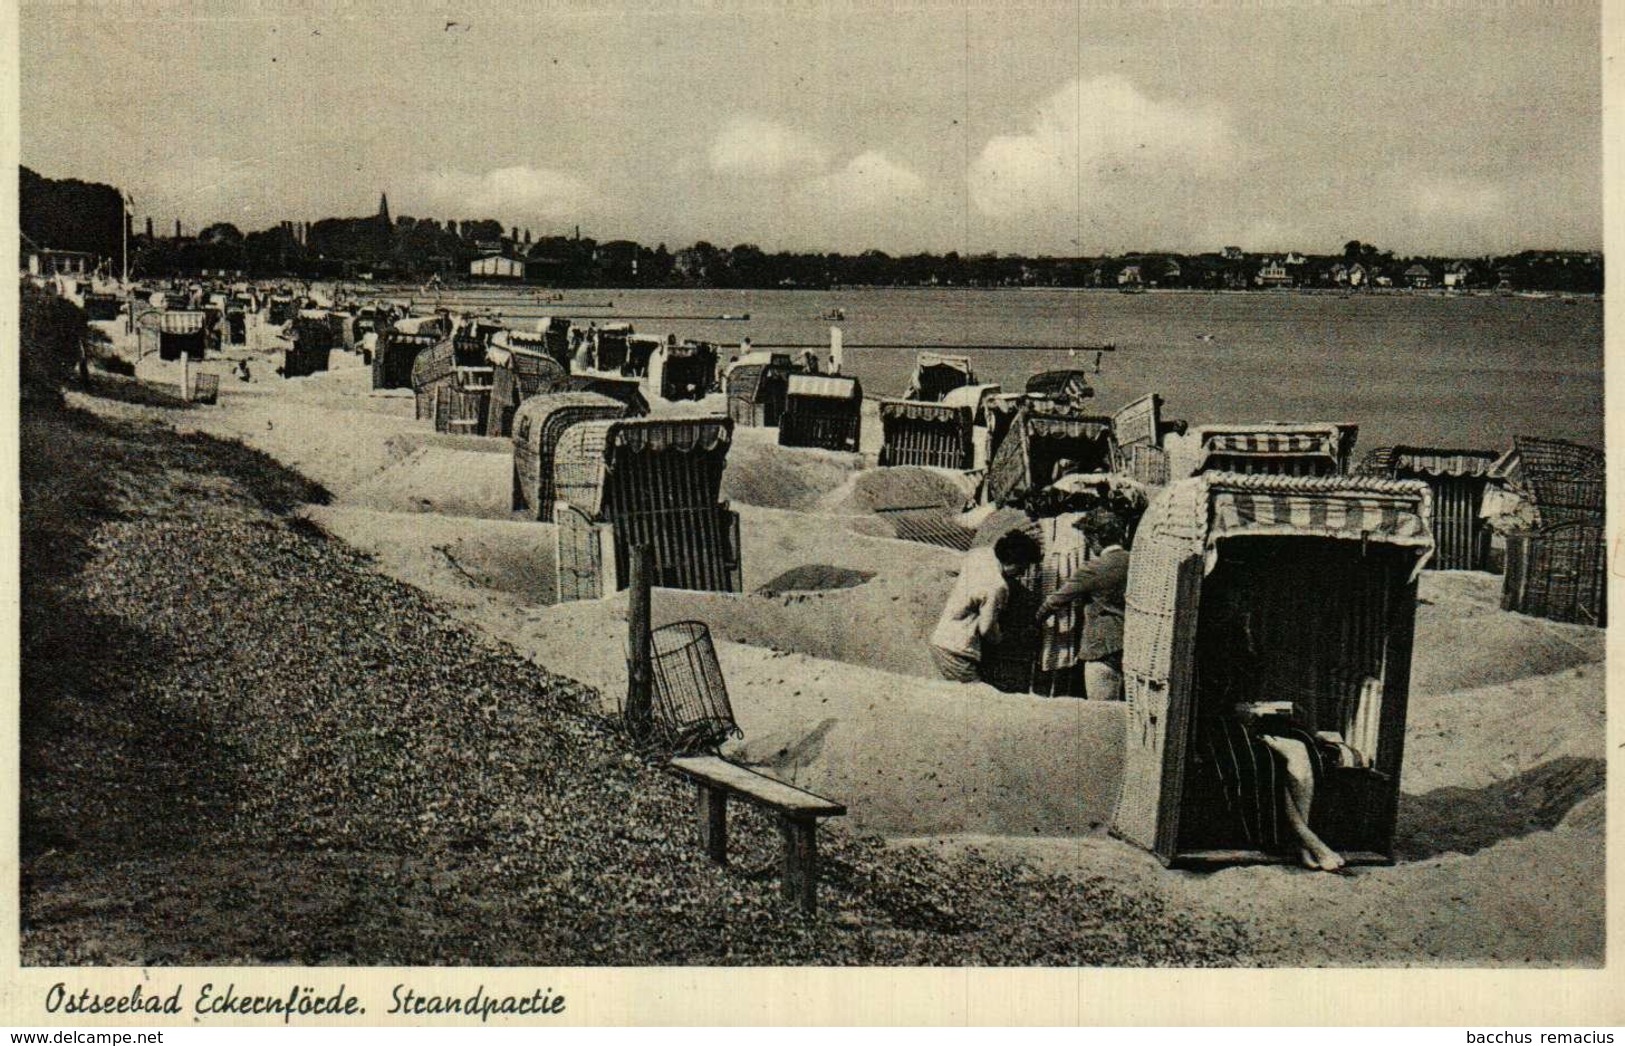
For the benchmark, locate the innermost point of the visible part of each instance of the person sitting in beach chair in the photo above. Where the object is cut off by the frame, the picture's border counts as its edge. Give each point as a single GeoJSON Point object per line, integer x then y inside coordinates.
{"type": "Point", "coordinates": [978, 597]}
{"type": "Point", "coordinates": [1260, 747]}
{"type": "Point", "coordinates": [1267, 764]}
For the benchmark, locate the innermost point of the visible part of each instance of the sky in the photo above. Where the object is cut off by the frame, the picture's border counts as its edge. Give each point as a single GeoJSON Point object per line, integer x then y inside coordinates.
{"type": "Point", "coordinates": [1447, 127]}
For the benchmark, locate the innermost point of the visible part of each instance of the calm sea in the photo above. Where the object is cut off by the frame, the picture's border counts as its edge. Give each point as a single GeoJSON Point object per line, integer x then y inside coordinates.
{"type": "Point", "coordinates": [1456, 371]}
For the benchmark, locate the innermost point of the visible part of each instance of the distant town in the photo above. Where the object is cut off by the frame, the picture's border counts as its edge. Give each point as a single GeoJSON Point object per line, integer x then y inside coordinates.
{"type": "Point", "coordinates": [79, 228]}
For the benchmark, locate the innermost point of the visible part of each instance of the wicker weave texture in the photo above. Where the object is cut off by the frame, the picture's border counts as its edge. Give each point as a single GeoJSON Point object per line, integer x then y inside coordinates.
{"type": "Point", "coordinates": [1171, 533]}
{"type": "Point", "coordinates": [926, 434]}
{"type": "Point", "coordinates": [580, 465]}
{"type": "Point", "coordinates": [460, 410]}
{"type": "Point", "coordinates": [1146, 464]}
{"type": "Point", "coordinates": [818, 421]}
{"type": "Point", "coordinates": [579, 552]}
{"type": "Point", "coordinates": [756, 394]}
{"type": "Point", "coordinates": [313, 332]}
{"type": "Point", "coordinates": [544, 420]}
{"type": "Point", "coordinates": [1559, 573]}
{"type": "Point", "coordinates": [691, 698]}
{"type": "Point", "coordinates": [206, 388]}
{"type": "Point", "coordinates": [670, 463]}
{"type": "Point", "coordinates": [434, 364]}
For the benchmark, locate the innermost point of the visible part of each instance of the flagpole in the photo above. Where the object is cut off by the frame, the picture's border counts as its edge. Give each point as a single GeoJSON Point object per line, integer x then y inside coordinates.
{"type": "Point", "coordinates": [127, 204]}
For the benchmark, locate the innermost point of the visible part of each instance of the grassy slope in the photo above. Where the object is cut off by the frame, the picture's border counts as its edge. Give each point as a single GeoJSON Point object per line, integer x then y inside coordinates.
{"type": "Point", "coordinates": [240, 744]}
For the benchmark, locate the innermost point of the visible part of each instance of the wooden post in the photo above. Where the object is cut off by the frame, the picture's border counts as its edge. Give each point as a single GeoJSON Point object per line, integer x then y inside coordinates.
{"type": "Point", "coordinates": [638, 677]}
{"type": "Point", "coordinates": [713, 810]}
{"type": "Point", "coordinates": [800, 878]}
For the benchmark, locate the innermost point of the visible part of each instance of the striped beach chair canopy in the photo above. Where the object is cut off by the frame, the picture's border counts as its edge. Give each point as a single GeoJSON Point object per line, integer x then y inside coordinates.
{"type": "Point", "coordinates": [917, 432]}
{"type": "Point", "coordinates": [1398, 461]}
{"type": "Point", "coordinates": [438, 325]}
{"type": "Point", "coordinates": [1290, 445]}
{"type": "Point", "coordinates": [917, 410]}
{"type": "Point", "coordinates": [510, 340]}
{"type": "Point", "coordinates": [1201, 513]}
{"type": "Point", "coordinates": [178, 321]}
{"type": "Point", "coordinates": [591, 451]}
{"type": "Point", "coordinates": [1394, 512]}
{"type": "Point", "coordinates": [527, 356]}
{"type": "Point", "coordinates": [817, 386]}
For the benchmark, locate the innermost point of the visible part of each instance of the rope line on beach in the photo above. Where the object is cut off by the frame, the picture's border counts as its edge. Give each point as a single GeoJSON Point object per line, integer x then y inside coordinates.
{"type": "Point", "coordinates": [944, 346]}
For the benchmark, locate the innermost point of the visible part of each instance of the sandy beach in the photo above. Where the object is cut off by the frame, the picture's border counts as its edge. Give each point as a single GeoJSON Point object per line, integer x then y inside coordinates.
{"type": "Point", "coordinates": [1501, 815]}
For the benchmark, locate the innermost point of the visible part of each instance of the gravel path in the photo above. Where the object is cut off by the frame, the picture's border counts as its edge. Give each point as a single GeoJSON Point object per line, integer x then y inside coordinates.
{"type": "Point", "coordinates": [243, 745]}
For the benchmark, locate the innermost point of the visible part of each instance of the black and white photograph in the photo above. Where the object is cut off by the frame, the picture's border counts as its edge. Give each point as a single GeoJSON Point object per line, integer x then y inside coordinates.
{"type": "Point", "coordinates": [606, 485]}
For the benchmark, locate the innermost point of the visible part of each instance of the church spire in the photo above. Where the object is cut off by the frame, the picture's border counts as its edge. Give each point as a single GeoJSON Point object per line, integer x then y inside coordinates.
{"type": "Point", "coordinates": [383, 207]}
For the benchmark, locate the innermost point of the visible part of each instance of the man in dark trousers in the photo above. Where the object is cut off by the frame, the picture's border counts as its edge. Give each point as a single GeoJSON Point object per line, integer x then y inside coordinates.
{"type": "Point", "coordinates": [1100, 584]}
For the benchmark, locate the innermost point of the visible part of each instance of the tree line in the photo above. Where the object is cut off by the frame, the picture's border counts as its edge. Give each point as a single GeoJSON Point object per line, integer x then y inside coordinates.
{"type": "Point", "coordinates": [83, 216]}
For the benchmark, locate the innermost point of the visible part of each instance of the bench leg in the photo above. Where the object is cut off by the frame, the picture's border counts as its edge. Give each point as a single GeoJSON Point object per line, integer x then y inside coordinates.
{"type": "Point", "coordinates": [800, 880]}
{"type": "Point", "coordinates": [714, 823]}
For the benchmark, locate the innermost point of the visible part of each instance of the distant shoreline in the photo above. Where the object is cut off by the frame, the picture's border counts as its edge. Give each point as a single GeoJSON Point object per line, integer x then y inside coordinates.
{"type": "Point", "coordinates": [528, 290]}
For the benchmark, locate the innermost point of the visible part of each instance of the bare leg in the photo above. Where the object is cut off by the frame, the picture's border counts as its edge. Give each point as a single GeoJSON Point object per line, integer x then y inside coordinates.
{"type": "Point", "coordinates": [1300, 788]}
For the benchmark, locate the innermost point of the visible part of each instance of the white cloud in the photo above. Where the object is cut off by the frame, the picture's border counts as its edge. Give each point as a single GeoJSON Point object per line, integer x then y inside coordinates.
{"type": "Point", "coordinates": [752, 145]}
{"type": "Point", "coordinates": [1455, 199]}
{"type": "Point", "coordinates": [201, 190]}
{"type": "Point", "coordinates": [195, 183]}
{"type": "Point", "coordinates": [1093, 135]}
{"type": "Point", "coordinates": [871, 180]}
{"type": "Point", "coordinates": [528, 191]}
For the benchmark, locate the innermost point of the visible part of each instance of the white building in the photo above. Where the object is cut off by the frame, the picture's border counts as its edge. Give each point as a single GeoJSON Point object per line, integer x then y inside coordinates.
{"type": "Point", "coordinates": [497, 267]}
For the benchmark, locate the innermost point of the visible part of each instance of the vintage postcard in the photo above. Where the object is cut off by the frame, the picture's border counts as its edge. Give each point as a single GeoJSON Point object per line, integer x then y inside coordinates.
{"type": "Point", "coordinates": [782, 513]}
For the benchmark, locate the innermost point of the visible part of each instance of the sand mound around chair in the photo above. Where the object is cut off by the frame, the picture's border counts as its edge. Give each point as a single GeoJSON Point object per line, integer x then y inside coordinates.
{"type": "Point", "coordinates": [760, 472]}
{"type": "Point", "coordinates": [434, 479]}
{"type": "Point", "coordinates": [901, 487]}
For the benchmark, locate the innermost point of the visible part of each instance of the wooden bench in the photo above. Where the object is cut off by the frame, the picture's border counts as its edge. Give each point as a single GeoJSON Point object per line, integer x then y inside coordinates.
{"type": "Point", "coordinates": [798, 810]}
